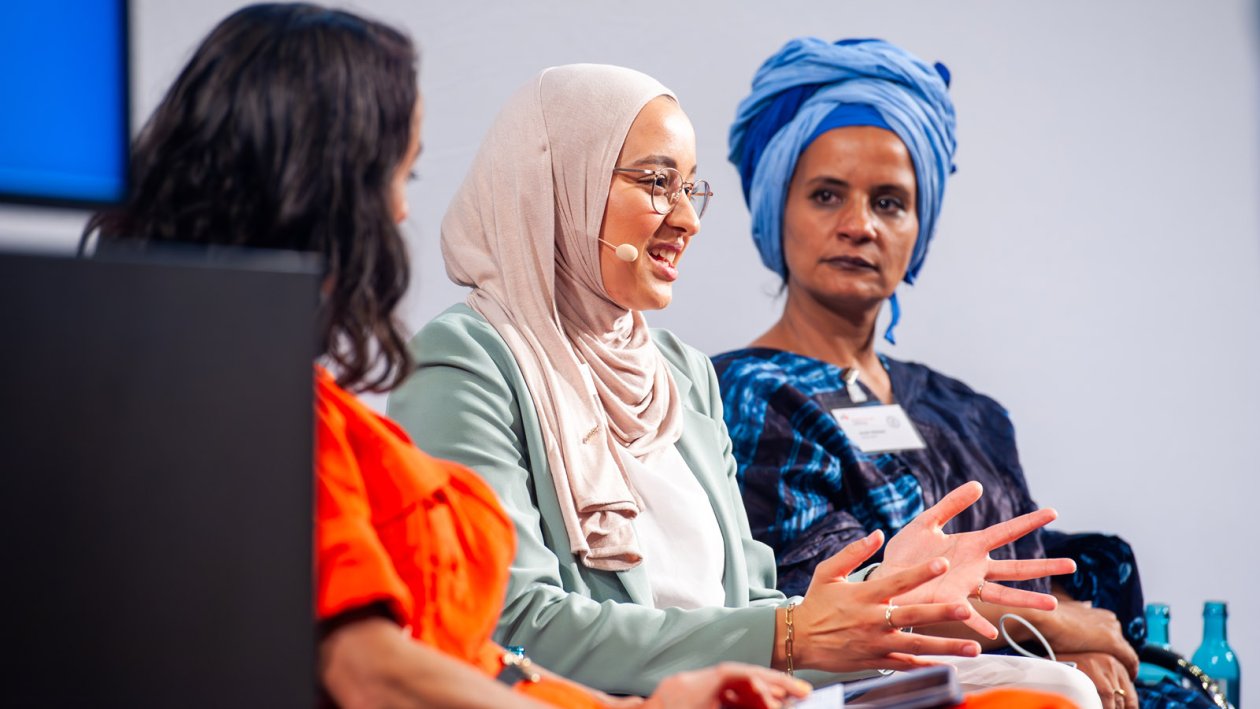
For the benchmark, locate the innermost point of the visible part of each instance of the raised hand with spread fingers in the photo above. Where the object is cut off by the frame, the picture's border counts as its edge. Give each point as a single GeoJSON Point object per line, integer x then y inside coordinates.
{"type": "Point", "coordinates": [972, 573]}
{"type": "Point", "coordinates": [843, 626]}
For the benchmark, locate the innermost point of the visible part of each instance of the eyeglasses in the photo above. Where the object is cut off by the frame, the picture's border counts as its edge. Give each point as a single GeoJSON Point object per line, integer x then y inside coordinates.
{"type": "Point", "coordinates": [667, 183]}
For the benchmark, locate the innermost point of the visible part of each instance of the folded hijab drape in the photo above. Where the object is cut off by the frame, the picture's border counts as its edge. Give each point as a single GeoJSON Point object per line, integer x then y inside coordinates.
{"type": "Point", "coordinates": [521, 231]}
{"type": "Point", "coordinates": [811, 85]}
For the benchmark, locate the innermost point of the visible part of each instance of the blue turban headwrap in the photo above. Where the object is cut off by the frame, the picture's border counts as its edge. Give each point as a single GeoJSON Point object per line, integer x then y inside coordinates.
{"type": "Point", "coordinates": [810, 87]}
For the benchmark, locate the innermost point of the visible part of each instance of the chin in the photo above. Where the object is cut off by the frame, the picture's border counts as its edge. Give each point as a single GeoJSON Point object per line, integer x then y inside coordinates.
{"type": "Point", "coordinates": [654, 301]}
{"type": "Point", "coordinates": [849, 302]}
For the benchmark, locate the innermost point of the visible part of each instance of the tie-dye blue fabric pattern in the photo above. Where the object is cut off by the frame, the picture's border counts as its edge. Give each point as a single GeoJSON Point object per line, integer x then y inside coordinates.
{"type": "Point", "coordinates": [809, 490]}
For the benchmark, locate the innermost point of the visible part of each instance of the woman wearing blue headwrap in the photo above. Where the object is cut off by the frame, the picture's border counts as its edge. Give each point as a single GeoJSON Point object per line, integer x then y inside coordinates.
{"type": "Point", "coordinates": [844, 150]}
{"type": "Point", "coordinates": [604, 439]}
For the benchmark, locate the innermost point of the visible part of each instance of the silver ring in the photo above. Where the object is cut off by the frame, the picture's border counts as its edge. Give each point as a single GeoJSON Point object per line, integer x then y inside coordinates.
{"type": "Point", "coordinates": [888, 616]}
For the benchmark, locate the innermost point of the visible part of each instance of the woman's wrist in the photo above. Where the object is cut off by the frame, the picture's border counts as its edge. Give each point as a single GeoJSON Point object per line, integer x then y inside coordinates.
{"type": "Point", "coordinates": [789, 640]}
{"type": "Point", "coordinates": [358, 657]}
{"type": "Point", "coordinates": [778, 655]}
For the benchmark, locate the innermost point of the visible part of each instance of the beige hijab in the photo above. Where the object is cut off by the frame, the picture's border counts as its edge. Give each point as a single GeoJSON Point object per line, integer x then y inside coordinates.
{"type": "Point", "coordinates": [521, 231]}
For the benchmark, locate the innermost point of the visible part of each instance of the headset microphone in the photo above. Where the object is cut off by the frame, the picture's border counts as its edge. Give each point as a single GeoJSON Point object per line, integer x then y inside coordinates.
{"type": "Point", "coordinates": [625, 252]}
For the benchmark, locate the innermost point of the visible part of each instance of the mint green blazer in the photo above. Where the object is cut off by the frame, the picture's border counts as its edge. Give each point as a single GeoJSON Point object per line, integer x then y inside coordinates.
{"type": "Point", "coordinates": [469, 403]}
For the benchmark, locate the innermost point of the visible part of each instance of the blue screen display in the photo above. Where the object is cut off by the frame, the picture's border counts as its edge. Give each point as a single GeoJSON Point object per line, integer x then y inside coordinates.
{"type": "Point", "coordinates": [63, 101]}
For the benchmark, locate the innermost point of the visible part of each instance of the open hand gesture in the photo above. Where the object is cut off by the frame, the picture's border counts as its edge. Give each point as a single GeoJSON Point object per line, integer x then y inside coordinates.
{"type": "Point", "coordinates": [971, 572]}
{"type": "Point", "coordinates": [843, 626]}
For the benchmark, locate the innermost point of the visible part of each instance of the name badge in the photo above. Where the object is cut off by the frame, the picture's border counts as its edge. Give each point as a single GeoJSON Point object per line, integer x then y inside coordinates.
{"type": "Point", "coordinates": [879, 429]}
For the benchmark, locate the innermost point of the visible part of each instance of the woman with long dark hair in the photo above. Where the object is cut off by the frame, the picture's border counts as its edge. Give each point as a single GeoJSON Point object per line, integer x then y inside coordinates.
{"type": "Point", "coordinates": [295, 127]}
{"type": "Point", "coordinates": [292, 127]}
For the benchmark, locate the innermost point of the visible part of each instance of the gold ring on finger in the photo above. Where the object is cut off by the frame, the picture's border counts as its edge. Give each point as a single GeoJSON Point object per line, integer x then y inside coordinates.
{"type": "Point", "coordinates": [888, 616]}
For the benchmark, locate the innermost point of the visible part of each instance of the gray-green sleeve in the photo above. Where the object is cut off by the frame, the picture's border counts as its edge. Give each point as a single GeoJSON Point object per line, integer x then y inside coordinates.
{"type": "Point", "coordinates": [463, 404]}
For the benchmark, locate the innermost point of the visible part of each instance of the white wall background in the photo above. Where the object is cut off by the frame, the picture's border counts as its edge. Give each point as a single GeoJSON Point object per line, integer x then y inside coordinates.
{"type": "Point", "coordinates": [1096, 269]}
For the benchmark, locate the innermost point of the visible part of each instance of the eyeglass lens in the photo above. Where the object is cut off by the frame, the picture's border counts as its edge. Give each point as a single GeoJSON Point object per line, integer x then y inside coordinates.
{"type": "Point", "coordinates": [669, 184]}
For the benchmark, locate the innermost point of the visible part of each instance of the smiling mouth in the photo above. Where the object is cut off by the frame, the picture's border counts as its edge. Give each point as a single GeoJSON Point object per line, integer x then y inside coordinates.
{"type": "Point", "coordinates": [851, 262]}
{"type": "Point", "coordinates": [664, 254]}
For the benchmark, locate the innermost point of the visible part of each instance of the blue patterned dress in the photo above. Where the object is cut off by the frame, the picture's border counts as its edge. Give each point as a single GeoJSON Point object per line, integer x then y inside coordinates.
{"type": "Point", "coordinates": [810, 491]}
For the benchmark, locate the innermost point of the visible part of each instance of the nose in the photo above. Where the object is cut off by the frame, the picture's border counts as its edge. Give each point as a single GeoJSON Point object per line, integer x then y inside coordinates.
{"type": "Point", "coordinates": [856, 222]}
{"type": "Point", "coordinates": [683, 217]}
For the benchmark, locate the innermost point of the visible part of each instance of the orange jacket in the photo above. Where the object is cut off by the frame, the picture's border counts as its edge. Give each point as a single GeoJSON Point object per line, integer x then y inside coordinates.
{"type": "Point", "coordinates": [424, 536]}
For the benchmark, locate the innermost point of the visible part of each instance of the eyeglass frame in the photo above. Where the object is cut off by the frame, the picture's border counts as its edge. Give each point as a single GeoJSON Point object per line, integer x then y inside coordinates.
{"type": "Point", "coordinates": [685, 187]}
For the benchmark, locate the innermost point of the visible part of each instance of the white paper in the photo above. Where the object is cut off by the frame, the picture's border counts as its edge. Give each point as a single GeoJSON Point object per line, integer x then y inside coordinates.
{"type": "Point", "coordinates": [826, 698]}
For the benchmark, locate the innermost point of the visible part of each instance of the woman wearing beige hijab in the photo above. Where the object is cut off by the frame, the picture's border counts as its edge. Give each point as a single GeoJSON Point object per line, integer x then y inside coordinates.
{"type": "Point", "coordinates": [605, 440]}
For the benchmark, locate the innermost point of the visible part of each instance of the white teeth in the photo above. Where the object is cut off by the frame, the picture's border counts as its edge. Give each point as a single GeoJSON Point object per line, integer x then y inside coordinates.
{"type": "Point", "coordinates": [667, 255]}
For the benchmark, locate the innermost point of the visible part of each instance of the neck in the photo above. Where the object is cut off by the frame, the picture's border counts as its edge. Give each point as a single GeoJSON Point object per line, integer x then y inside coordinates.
{"type": "Point", "coordinates": [844, 337]}
{"type": "Point", "coordinates": [583, 310]}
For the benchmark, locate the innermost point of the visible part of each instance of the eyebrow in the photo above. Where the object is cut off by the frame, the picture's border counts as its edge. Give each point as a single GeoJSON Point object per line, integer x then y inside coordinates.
{"type": "Point", "coordinates": [837, 182]}
{"type": "Point", "coordinates": [662, 160]}
{"type": "Point", "coordinates": [825, 180]}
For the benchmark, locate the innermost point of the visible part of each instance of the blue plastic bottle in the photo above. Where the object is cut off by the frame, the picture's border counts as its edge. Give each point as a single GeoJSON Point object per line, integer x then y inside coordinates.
{"type": "Point", "coordinates": [1215, 656]}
